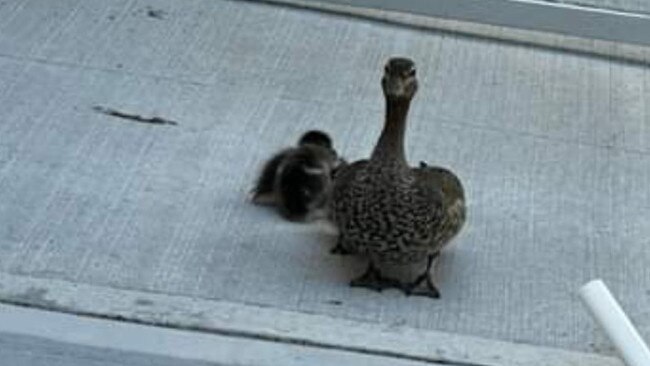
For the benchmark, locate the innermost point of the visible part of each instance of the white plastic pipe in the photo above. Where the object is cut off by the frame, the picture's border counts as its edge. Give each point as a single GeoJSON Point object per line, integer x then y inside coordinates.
{"type": "Point", "coordinates": [617, 325]}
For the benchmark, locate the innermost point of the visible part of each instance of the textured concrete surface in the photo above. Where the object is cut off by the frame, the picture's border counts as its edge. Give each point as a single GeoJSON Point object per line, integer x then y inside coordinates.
{"type": "Point", "coordinates": [31, 337]}
{"type": "Point", "coordinates": [34, 351]}
{"type": "Point", "coordinates": [238, 323]}
{"type": "Point", "coordinates": [553, 148]}
{"type": "Point", "coordinates": [575, 29]}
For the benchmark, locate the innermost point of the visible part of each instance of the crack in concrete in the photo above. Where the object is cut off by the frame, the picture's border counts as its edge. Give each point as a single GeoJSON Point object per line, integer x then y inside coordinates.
{"type": "Point", "coordinates": [133, 117]}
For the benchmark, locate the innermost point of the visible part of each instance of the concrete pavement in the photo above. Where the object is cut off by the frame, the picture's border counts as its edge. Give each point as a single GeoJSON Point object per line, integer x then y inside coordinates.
{"type": "Point", "coordinates": [553, 148]}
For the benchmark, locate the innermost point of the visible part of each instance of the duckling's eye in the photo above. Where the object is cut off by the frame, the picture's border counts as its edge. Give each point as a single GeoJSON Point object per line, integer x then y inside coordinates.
{"type": "Point", "coordinates": [386, 69]}
{"type": "Point", "coordinates": [411, 72]}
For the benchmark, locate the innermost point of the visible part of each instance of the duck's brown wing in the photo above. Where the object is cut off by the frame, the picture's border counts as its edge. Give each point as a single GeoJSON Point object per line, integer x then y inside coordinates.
{"type": "Point", "coordinates": [452, 201]}
{"type": "Point", "coordinates": [449, 183]}
{"type": "Point", "coordinates": [429, 203]}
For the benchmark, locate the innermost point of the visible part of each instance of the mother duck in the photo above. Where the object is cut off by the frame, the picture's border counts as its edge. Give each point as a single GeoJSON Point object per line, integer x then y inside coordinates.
{"type": "Point", "coordinates": [389, 212]}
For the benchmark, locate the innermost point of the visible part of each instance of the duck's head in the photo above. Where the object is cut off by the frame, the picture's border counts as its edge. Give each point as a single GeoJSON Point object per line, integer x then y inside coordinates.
{"type": "Point", "coordinates": [399, 81]}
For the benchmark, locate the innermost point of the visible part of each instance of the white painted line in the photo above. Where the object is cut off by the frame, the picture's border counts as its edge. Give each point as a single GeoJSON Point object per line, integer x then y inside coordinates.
{"type": "Point", "coordinates": [609, 314]}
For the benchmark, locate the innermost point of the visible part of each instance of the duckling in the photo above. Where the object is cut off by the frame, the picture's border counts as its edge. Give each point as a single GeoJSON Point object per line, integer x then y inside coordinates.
{"type": "Point", "coordinates": [393, 214]}
{"type": "Point", "coordinates": [298, 180]}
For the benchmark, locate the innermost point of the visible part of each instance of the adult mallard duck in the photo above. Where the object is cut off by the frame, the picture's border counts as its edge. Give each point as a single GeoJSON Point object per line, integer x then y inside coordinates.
{"type": "Point", "coordinates": [389, 212]}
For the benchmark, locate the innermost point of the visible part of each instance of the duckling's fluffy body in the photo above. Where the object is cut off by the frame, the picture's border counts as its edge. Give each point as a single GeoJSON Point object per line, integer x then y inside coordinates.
{"type": "Point", "coordinates": [298, 180]}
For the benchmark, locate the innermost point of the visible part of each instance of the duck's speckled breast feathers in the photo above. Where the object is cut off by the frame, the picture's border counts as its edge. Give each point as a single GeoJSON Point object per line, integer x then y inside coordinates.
{"type": "Point", "coordinates": [384, 208]}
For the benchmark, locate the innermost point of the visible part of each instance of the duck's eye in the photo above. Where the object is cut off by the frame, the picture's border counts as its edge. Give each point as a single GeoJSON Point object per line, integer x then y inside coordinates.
{"type": "Point", "coordinates": [412, 72]}
{"type": "Point", "coordinates": [386, 69]}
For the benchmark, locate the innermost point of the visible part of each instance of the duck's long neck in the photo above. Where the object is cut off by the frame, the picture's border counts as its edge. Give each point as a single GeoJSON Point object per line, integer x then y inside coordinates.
{"type": "Point", "coordinates": [391, 142]}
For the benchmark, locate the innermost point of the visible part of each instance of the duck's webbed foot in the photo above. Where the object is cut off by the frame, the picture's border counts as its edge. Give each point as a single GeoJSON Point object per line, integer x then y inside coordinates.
{"type": "Point", "coordinates": [423, 285]}
{"type": "Point", "coordinates": [339, 249]}
{"type": "Point", "coordinates": [372, 279]}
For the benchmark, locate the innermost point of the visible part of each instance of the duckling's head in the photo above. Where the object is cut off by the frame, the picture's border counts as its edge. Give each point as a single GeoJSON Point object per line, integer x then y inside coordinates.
{"type": "Point", "coordinates": [399, 80]}
{"type": "Point", "coordinates": [315, 137]}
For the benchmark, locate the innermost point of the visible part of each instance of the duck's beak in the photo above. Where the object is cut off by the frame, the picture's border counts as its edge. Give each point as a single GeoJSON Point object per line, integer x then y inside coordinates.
{"type": "Point", "coordinates": [394, 86]}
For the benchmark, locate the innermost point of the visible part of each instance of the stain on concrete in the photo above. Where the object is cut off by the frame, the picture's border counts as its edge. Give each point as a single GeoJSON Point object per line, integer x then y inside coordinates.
{"type": "Point", "coordinates": [143, 302]}
{"type": "Point", "coordinates": [334, 302]}
{"type": "Point", "coordinates": [36, 297]}
{"type": "Point", "coordinates": [155, 13]}
{"type": "Point", "coordinates": [199, 316]}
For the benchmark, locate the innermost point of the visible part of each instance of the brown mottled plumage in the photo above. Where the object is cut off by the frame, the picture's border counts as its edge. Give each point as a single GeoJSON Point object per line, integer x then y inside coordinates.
{"type": "Point", "coordinates": [392, 213]}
